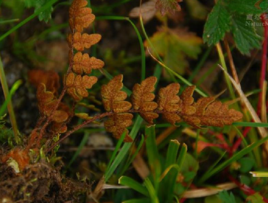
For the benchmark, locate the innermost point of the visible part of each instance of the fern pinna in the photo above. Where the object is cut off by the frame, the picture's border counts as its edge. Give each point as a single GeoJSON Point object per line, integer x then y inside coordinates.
{"type": "Point", "coordinates": [55, 114]}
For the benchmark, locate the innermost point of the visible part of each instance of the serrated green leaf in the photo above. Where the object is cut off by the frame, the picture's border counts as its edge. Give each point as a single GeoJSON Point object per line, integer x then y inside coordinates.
{"type": "Point", "coordinates": [37, 4]}
{"type": "Point", "coordinates": [217, 24]}
{"type": "Point", "coordinates": [226, 197]}
{"type": "Point", "coordinates": [245, 35]}
{"type": "Point", "coordinates": [246, 6]}
{"type": "Point", "coordinates": [174, 46]}
{"type": "Point", "coordinates": [46, 14]}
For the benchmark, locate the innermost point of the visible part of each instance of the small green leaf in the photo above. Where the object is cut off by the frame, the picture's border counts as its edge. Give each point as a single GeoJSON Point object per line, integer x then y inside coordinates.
{"type": "Point", "coordinates": [226, 197]}
{"type": "Point", "coordinates": [37, 4]}
{"type": "Point", "coordinates": [246, 164]}
{"type": "Point", "coordinates": [133, 184]}
{"type": "Point", "coordinates": [245, 35]}
{"type": "Point", "coordinates": [217, 24]}
{"type": "Point", "coordinates": [255, 198]}
{"type": "Point", "coordinates": [213, 199]}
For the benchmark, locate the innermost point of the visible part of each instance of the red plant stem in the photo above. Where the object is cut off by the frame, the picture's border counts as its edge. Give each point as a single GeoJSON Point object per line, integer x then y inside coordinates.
{"type": "Point", "coordinates": [50, 117]}
{"type": "Point", "coordinates": [246, 189]}
{"type": "Point", "coordinates": [99, 116]}
{"type": "Point", "coordinates": [60, 97]}
{"type": "Point", "coordinates": [239, 140]}
{"type": "Point", "coordinates": [264, 60]}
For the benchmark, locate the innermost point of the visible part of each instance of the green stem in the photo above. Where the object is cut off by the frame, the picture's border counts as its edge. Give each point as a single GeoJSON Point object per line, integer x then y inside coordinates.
{"type": "Point", "coordinates": [36, 13]}
{"type": "Point", "coordinates": [223, 64]}
{"type": "Point", "coordinates": [9, 105]}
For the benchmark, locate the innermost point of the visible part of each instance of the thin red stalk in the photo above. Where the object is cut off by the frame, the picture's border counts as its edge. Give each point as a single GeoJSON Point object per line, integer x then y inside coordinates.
{"type": "Point", "coordinates": [50, 117]}
{"type": "Point", "coordinates": [239, 140]}
{"type": "Point", "coordinates": [264, 60]}
{"type": "Point", "coordinates": [99, 116]}
{"type": "Point", "coordinates": [60, 97]}
{"type": "Point", "coordinates": [246, 189]}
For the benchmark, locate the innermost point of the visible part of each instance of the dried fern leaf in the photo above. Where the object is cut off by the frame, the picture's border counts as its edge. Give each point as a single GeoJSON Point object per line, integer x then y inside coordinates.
{"type": "Point", "coordinates": [206, 111]}
{"type": "Point", "coordinates": [49, 78]}
{"type": "Point", "coordinates": [113, 100]}
{"type": "Point", "coordinates": [118, 123]}
{"type": "Point", "coordinates": [81, 41]}
{"type": "Point", "coordinates": [80, 16]}
{"type": "Point", "coordinates": [77, 85]}
{"type": "Point", "coordinates": [142, 99]}
{"type": "Point", "coordinates": [169, 103]}
{"type": "Point", "coordinates": [112, 96]}
{"type": "Point", "coordinates": [47, 102]}
{"type": "Point", "coordinates": [83, 63]}
{"type": "Point", "coordinates": [214, 113]}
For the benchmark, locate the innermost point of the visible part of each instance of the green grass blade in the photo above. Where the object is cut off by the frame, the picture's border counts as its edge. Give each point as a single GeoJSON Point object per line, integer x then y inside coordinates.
{"type": "Point", "coordinates": [9, 104]}
{"type": "Point", "coordinates": [235, 157]}
{"type": "Point", "coordinates": [134, 155]}
{"type": "Point", "coordinates": [80, 147]}
{"type": "Point", "coordinates": [14, 88]}
{"type": "Point", "coordinates": [153, 155]}
{"type": "Point", "coordinates": [152, 192]}
{"type": "Point", "coordinates": [126, 181]}
{"type": "Point", "coordinates": [117, 147]}
{"type": "Point", "coordinates": [143, 200]}
{"type": "Point", "coordinates": [36, 13]}
{"type": "Point", "coordinates": [123, 152]}
{"type": "Point", "coordinates": [250, 124]}
{"type": "Point", "coordinates": [8, 21]}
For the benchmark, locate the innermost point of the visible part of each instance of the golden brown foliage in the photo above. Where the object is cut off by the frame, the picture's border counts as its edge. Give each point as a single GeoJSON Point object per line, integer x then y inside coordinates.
{"type": "Point", "coordinates": [80, 17]}
{"type": "Point", "coordinates": [168, 102]}
{"type": "Point", "coordinates": [77, 85]}
{"type": "Point", "coordinates": [113, 100]}
{"type": "Point", "coordinates": [83, 63]}
{"type": "Point", "coordinates": [142, 99]}
{"type": "Point", "coordinates": [81, 41]}
{"type": "Point", "coordinates": [49, 78]}
{"type": "Point", "coordinates": [205, 112]}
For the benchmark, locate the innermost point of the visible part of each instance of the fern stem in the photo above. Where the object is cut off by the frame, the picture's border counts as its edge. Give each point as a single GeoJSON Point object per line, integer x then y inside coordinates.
{"type": "Point", "coordinates": [97, 117]}
{"type": "Point", "coordinates": [9, 105]}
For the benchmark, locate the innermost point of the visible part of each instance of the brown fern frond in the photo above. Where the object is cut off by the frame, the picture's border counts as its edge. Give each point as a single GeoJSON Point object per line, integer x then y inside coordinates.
{"type": "Point", "coordinates": [142, 99]}
{"type": "Point", "coordinates": [49, 78]}
{"type": "Point", "coordinates": [77, 85]}
{"type": "Point", "coordinates": [168, 102]}
{"type": "Point", "coordinates": [118, 123]}
{"type": "Point", "coordinates": [213, 113]}
{"type": "Point", "coordinates": [112, 96]}
{"type": "Point", "coordinates": [83, 63]}
{"type": "Point", "coordinates": [47, 102]}
{"type": "Point", "coordinates": [113, 100]}
{"type": "Point", "coordinates": [81, 41]}
{"type": "Point", "coordinates": [80, 16]}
